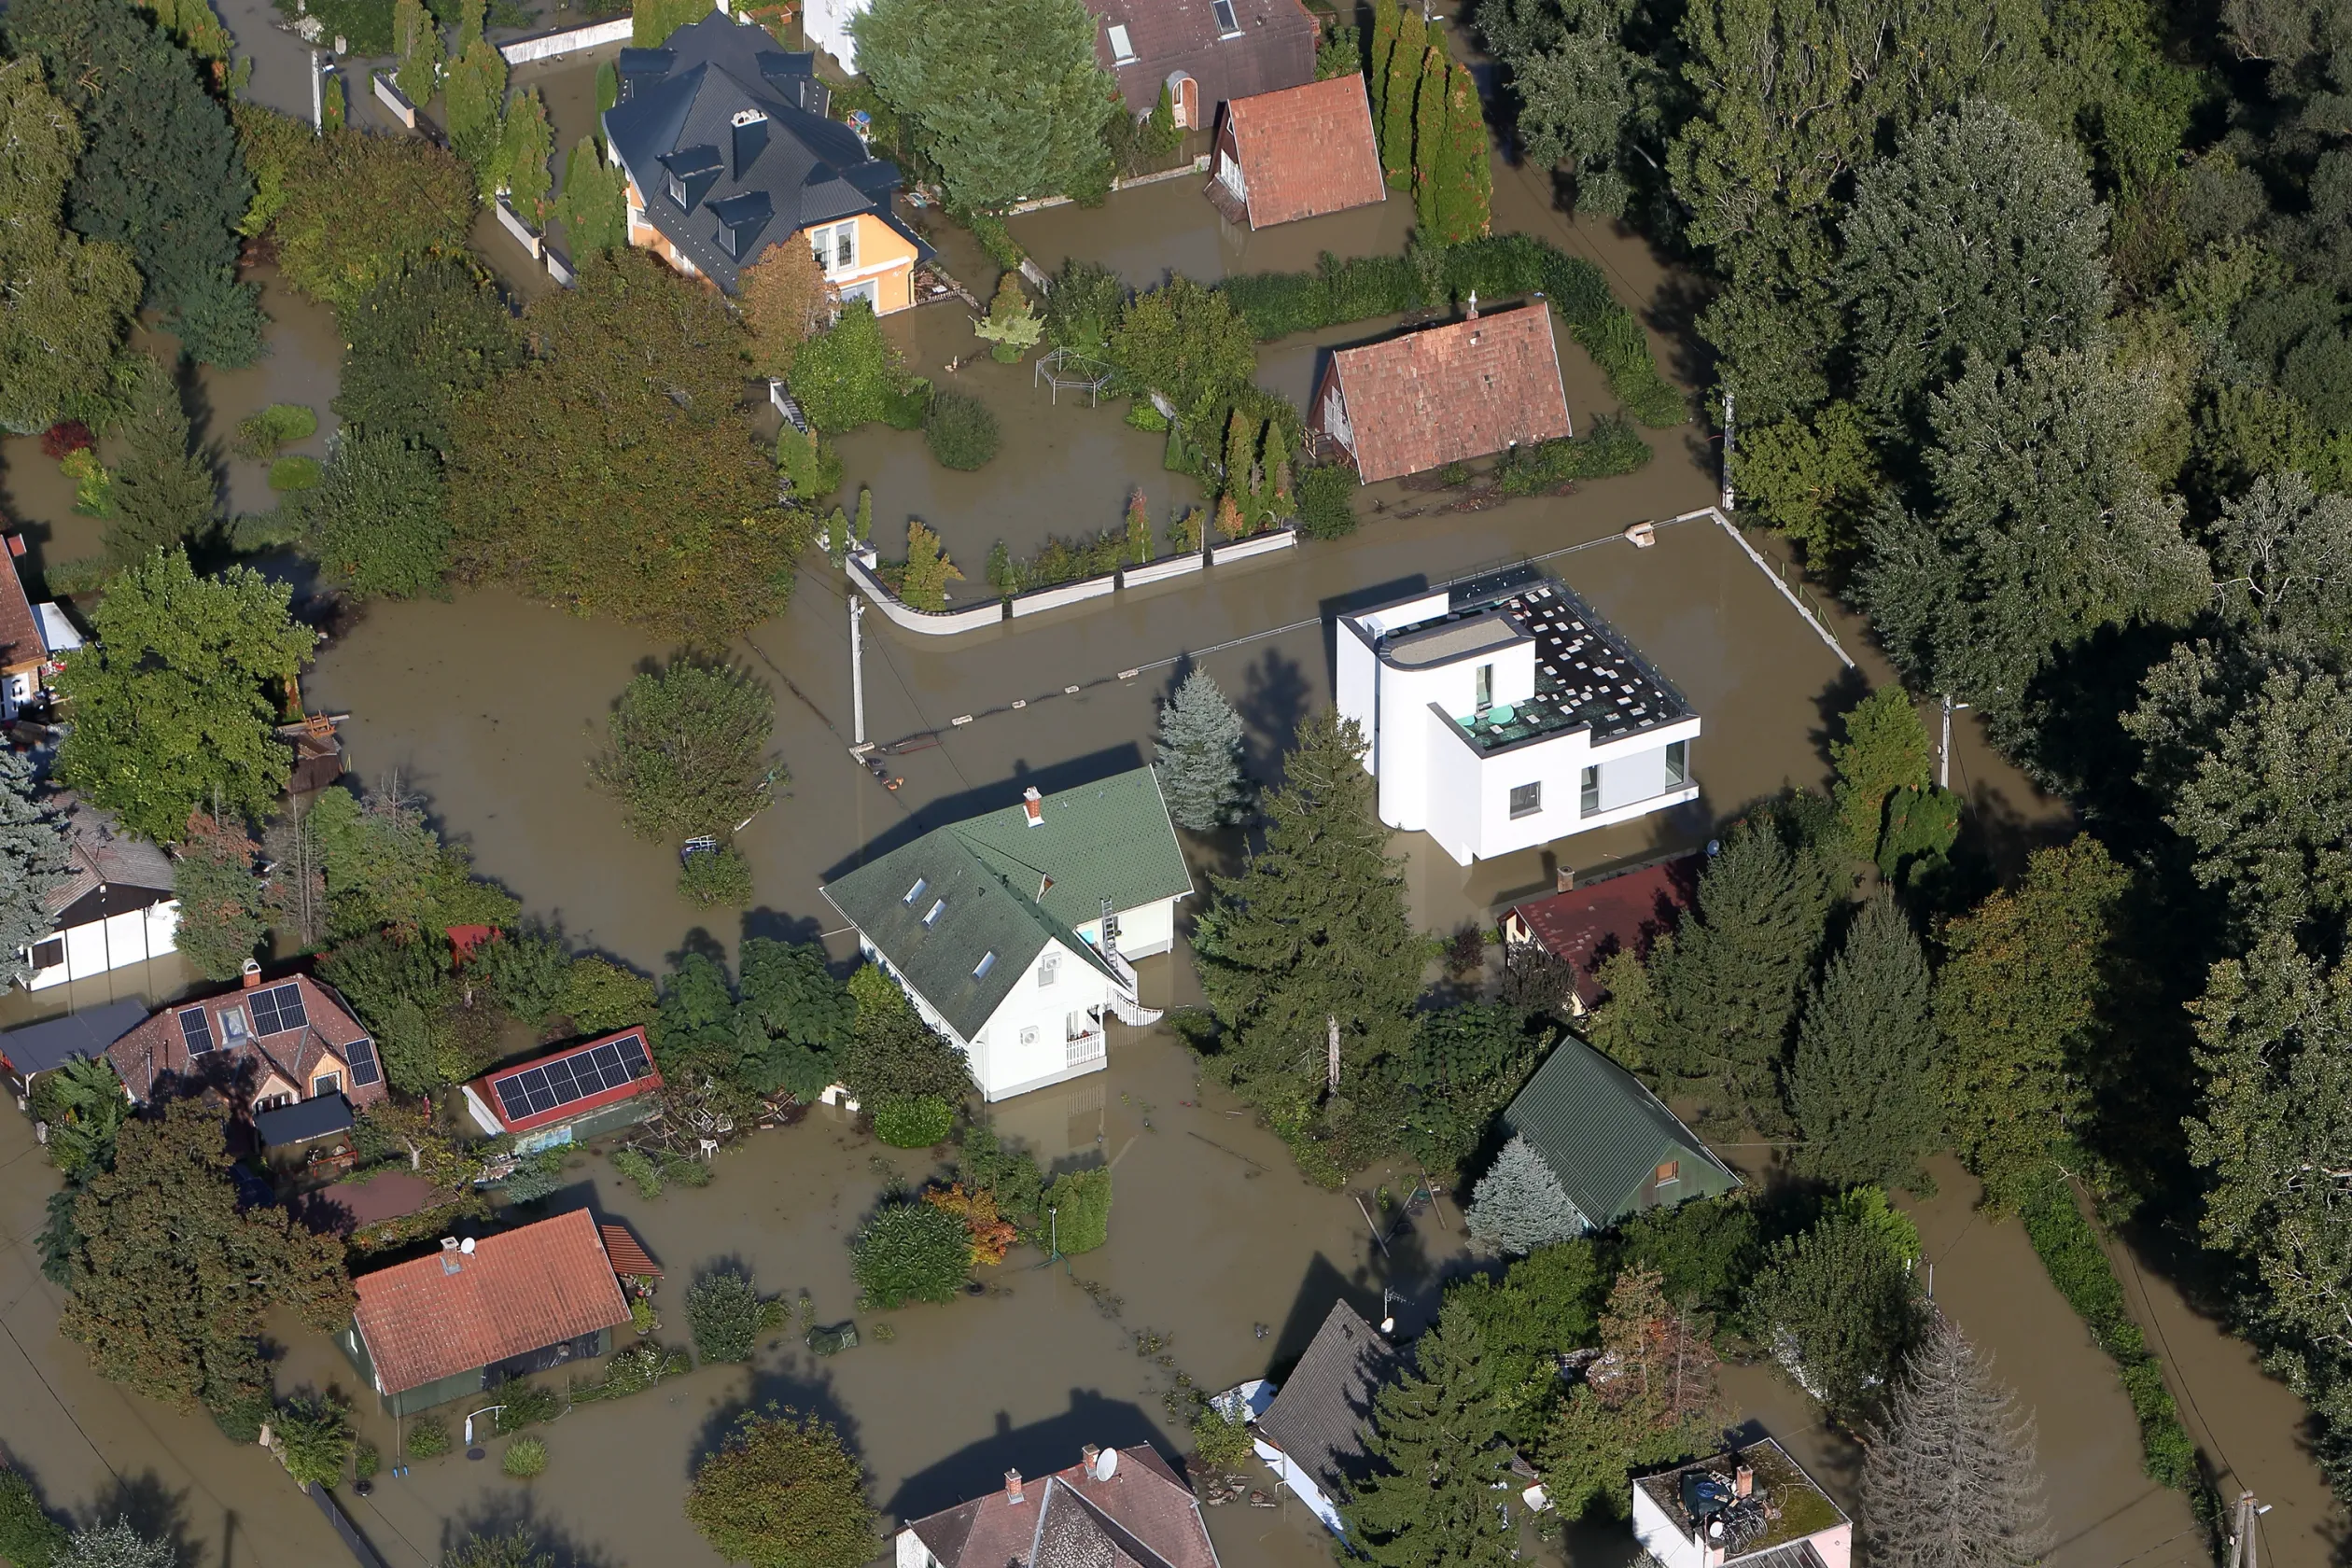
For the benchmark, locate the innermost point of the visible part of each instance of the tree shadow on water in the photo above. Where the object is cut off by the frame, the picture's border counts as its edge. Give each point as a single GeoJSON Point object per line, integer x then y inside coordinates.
{"type": "Point", "coordinates": [796, 1383]}
{"type": "Point", "coordinates": [1036, 1451]}
{"type": "Point", "coordinates": [159, 1513]}
{"type": "Point", "coordinates": [1273, 700]}
{"type": "Point", "coordinates": [514, 1513]}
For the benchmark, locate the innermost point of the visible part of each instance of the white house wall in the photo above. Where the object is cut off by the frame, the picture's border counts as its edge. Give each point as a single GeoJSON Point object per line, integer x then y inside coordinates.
{"type": "Point", "coordinates": [114, 942]}
{"type": "Point", "coordinates": [1302, 1486]}
{"type": "Point", "coordinates": [1658, 1535]}
{"type": "Point", "coordinates": [1144, 932]}
{"type": "Point", "coordinates": [1356, 689]}
{"type": "Point", "coordinates": [825, 25]}
{"type": "Point", "coordinates": [1633, 784]}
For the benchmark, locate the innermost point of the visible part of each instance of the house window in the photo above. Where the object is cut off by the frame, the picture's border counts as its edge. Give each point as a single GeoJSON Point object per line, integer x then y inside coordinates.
{"type": "Point", "coordinates": [1589, 793]}
{"type": "Point", "coordinates": [987, 963]}
{"type": "Point", "coordinates": [271, 1102]}
{"type": "Point", "coordinates": [677, 190]}
{"type": "Point", "coordinates": [937, 906]}
{"type": "Point", "coordinates": [1526, 799]}
{"type": "Point", "coordinates": [1122, 49]}
{"type": "Point", "coordinates": [232, 1025]}
{"type": "Point", "coordinates": [1486, 687]}
{"type": "Point", "coordinates": [1028, 1035]}
{"type": "Point", "coordinates": [327, 1083]}
{"type": "Point", "coordinates": [916, 891]}
{"type": "Point", "coordinates": [50, 954]}
{"type": "Point", "coordinates": [845, 247]}
{"type": "Point", "coordinates": [1049, 969]}
{"type": "Point", "coordinates": [1229, 25]}
{"type": "Point", "coordinates": [1670, 1171]}
{"type": "Point", "coordinates": [1677, 764]}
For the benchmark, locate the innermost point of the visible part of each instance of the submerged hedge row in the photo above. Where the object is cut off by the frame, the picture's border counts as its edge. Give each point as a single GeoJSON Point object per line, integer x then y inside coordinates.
{"type": "Point", "coordinates": [1500, 267]}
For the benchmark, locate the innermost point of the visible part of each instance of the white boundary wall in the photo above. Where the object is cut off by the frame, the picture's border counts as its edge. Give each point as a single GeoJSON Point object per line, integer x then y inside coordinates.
{"type": "Point", "coordinates": [548, 46]}
{"type": "Point", "coordinates": [1160, 571]}
{"type": "Point", "coordinates": [929, 623]}
{"type": "Point", "coordinates": [1041, 600]}
{"type": "Point", "coordinates": [392, 99]}
{"type": "Point", "coordinates": [1241, 550]}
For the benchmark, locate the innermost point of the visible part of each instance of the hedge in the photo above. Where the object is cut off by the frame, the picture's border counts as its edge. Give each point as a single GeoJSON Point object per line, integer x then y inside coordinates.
{"type": "Point", "coordinates": [1081, 1201]}
{"type": "Point", "coordinates": [1611, 446]}
{"type": "Point", "coordinates": [1501, 267]}
{"type": "Point", "coordinates": [2078, 1266]}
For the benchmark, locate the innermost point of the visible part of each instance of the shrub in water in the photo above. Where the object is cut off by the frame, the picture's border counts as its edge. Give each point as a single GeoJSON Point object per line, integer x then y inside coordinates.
{"type": "Point", "coordinates": [686, 1173]}
{"type": "Point", "coordinates": [961, 432]}
{"type": "Point", "coordinates": [1082, 1203]}
{"type": "Point", "coordinates": [723, 1314]}
{"type": "Point", "coordinates": [523, 1404]}
{"type": "Point", "coordinates": [525, 1457]}
{"type": "Point", "coordinates": [1326, 501]}
{"type": "Point", "coordinates": [428, 1438]}
{"type": "Point", "coordinates": [904, 409]}
{"type": "Point", "coordinates": [315, 1436]}
{"type": "Point", "coordinates": [262, 433]}
{"type": "Point", "coordinates": [296, 473]}
{"type": "Point", "coordinates": [640, 1168]}
{"type": "Point", "coordinates": [717, 876]}
{"type": "Point", "coordinates": [912, 1121]}
{"type": "Point", "coordinates": [910, 1252]}
{"type": "Point", "coordinates": [1221, 1444]}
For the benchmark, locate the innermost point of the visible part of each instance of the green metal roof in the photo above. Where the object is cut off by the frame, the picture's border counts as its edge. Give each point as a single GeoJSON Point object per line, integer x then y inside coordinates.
{"type": "Point", "coordinates": [1604, 1136]}
{"type": "Point", "coordinates": [1110, 838]}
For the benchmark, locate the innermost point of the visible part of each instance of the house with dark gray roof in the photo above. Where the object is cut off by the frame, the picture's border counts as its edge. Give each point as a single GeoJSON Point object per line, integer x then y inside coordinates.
{"type": "Point", "coordinates": [1115, 1508]}
{"type": "Point", "coordinates": [728, 147]}
{"type": "Point", "coordinates": [116, 906]}
{"type": "Point", "coordinates": [27, 1053]}
{"type": "Point", "coordinates": [1012, 933]}
{"type": "Point", "coordinates": [1615, 1147]}
{"type": "Point", "coordinates": [1315, 1433]}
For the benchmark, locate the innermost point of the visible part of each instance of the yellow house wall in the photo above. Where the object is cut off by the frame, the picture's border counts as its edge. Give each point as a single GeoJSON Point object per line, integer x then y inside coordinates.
{"type": "Point", "coordinates": [885, 257]}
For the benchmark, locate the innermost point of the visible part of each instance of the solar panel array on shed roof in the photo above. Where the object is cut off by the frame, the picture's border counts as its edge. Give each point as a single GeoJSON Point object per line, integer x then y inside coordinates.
{"type": "Point", "coordinates": [541, 1087]}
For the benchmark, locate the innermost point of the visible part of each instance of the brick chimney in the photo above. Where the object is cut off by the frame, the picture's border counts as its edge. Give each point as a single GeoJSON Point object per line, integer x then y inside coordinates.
{"type": "Point", "coordinates": [1013, 1486]}
{"type": "Point", "coordinates": [1035, 806]}
{"type": "Point", "coordinates": [1743, 1481]}
{"type": "Point", "coordinates": [250, 976]}
{"type": "Point", "coordinates": [1087, 1454]}
{"type": "Point", "coordinates": [1564, 879]}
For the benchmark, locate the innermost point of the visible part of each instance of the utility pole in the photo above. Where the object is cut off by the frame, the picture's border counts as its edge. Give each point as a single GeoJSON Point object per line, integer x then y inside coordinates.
{"type": "Point", "coordinates": [1729, 499]}
{"type": "Point", "coordinates": [2243, 1543]}
{"type": "Point", "coordinates": [1949, 707]}
{"type": "Point", "coordinates": [1331, 1078]}
{"type": "Point", "coordinates": [857, 673]}
{"type": "Point", "coordinates": [318, 98]}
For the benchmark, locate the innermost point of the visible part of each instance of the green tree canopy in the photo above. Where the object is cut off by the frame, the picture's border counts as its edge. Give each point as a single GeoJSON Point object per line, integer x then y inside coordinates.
{"type": "Point", "coordinates": [1885, 750]}
{"type": "Point", "coordinates": [378, 523]}
{"type": "Point", "coordinates": [66, 301]}
{"type": "Point", "coordinates": [782, 1491]}
{"type": "Point", "coordinates": [615, 472]}
{"type": "Point", "coordinates": [351, 211]}
{"type": "Point", "coordinates": [33, 862]}
{"type": "Point", "coordinates": [165, 492]}
{"type": "Point", "coordinates": [1006, 95]}
{"type": "Point", "coordinates": [416, 342]}
{"type": "Point", "coordinates": [1186, 344]}
{"type": "Point", "coordinates": [171, 707]}
{"type": "Point", "coordinates": [1839, 1306]}
{"type": "Point", "coordinates": [387, 870]}
{"type": "Point", "coordinates": [1437, 1440]}
{"type": "Point", "coordinates": [1577, 86]}
{"type": "Point", "coordinates": [220, 920]}
{"type": "Point", "coordinates": [687, 753]}
{"type": "Point", "coordinates": [1863, 1085]}
{"type": "Point", "coordinates": [795, 1021]}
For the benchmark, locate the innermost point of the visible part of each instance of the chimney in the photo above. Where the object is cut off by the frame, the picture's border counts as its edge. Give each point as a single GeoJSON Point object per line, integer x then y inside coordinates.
{"type": "Point", "coordinates": [1013, 1486]}
{"type": "Point", "coordinates": [1743, 1481]}
{"type": "Point", "coordinates": [1565, 880]}
{"type": "Point", "coordinates": [16, 546]}
{"type": "Point", "coordinates": [1087, 1455]}
{"type": "Point", "coordinates": [250, 976]}
{"type": "Point", "coordinates": [750, 129]}
{"type": "Point", "coordinates": [1473, 314]}
{"type": "Point", "coordinates": [1034, 805]}
{"type": "Point", "coordinates": [449, 1256]}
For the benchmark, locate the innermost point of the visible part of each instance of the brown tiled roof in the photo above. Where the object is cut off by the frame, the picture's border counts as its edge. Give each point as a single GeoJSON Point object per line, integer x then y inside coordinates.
{"type": "Point", "coordinates": [1142, 1516]}
{"type": "Point", "coordinates": [1276, 48]}
{"type": "Point", "coordinates": [21, 642]}
{"type": "Point", "coordinates": [1324, 1410]}
{"type": "Point", "coordinates": [1618, 914]}
{"type": "Point", "coordinates": [1308, 150]}
{"type": "Point", "coordinates": [628, 1258]}
{"type": "Point", "coordinates": [158, 1050]}
{"type": "Point", "coordinates": [1447, 394]}
{"type": "Point", "coordinates": [518, 1292]}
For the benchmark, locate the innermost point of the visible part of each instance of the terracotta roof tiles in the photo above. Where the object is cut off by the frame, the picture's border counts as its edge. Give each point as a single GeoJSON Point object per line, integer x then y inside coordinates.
{"type": "Point", "coordinates": [1140, 1517]}
{"type": "Point", "coordinates": [1447, 394]}
{"type": "Point", "coordinates": [1307, 151]}
{"type": "Point", "coordinates": [22, 645]}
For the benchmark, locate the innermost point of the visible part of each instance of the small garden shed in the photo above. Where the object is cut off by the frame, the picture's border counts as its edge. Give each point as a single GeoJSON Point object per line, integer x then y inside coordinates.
{"type": "Point", "coordinates": [1614, 1146]}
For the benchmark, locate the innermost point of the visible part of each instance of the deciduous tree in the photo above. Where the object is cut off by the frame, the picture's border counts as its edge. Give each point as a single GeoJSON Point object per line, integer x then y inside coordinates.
{"type": "Point", "coordinates": [1884, 752]}
{"type": "Point", "coordinates": [352, 212]}
{"type": "Point", "coordinates": [220, 920]}
{"type": "Point", "coordinates": [786, 300]}
{"type": "Point", "coordinates": [1838, 1306]}
{"type": "Point", "coordinates": [782, 1491]}
{"type": "Point", "coordinates": [1187, 344]}
{"type": "Point", "coordinates": [1864, 1086]}
{"type": "Point", "coordinates": [687, 751]}
{"type": "Point", "coordinates": [1651, 1396]}
{"type": "Point", "coordinates": [415, 343]}
{"type": "Point", "coordinates": [1577, 86]}
{"type": "Point", "coordinates": [795, 1021]}
{"type": "Point", "coordinates": [1198, 755]}
{"type": "Point", "coordinates": [172, 710]}
{"type": "Point", "coordinates": [115, 1545]}
{"type": "Point", "coordinates": [32, 864]}
{"type": "Point", "coordinates": [1950, 1479]}
{"type": "Point", "coordinates": [1436, 1438]}
{"type": "Point", "coordinates": [378, 525]}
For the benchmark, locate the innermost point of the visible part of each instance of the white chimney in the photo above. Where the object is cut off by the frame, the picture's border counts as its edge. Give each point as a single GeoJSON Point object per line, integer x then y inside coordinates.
{"type": "Point", "coordinates": [1034, 807]}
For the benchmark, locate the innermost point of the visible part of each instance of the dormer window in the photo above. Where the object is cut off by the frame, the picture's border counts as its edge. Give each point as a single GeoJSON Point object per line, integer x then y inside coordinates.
{"type": "Point", "coordinates": [677, 190]}
{"type": "Point", "coordinates": [1229, 25]}
{"type": "Point", "coordinates": [1122, 48]}
{"type": "Point", "coordinates": [938, 907]}
{"type": "Point", "coordinates": [916, 891]}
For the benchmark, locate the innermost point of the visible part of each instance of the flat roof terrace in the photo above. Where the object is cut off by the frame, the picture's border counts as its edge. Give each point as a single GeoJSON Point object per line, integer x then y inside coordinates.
{"type": "Point", "coordinates": [1586, 674]}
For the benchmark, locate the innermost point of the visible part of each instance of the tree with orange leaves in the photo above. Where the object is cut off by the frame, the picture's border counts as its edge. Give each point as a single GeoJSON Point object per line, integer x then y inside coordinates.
{"type": "Point", "coordinates": [990, 1236]}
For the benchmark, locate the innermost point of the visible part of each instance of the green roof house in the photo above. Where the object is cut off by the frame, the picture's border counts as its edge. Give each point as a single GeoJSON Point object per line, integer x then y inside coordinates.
{"type": "Point", "coordinates": [1614, 1146]}
{"type": "Point", "coordinates": [1012, 932]}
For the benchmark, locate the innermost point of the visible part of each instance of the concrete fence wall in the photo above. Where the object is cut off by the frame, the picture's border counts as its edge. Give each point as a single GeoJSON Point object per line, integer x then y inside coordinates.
{"type": "Point", "coordinates": [1263, 544]}
{"type": "Point", "coordinates": [557, 268]}
{"type": "Point", "coordinates": [512, 223]}
{"type": "Point", "coordinates": [929, 623]}
{"type": "Point", "coordinates": [1041, 600]}
{"type": "Point", "coordinates": [392, 99]}
{"type": "Point", "coordinates": [548, 46]}
{"type": "Point", "coordinates": [1160, 571]}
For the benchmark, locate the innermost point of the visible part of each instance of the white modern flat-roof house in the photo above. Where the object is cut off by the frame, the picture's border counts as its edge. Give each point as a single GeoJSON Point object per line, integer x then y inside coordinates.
{"type": "Point", "coordinates": [995, 926]}
{"type": "Point", "coordinates": [1503, 713]}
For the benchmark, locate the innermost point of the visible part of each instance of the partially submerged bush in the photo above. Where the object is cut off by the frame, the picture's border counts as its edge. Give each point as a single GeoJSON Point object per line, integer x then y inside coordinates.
{"type": "Point", "coordinates": [637, 1167]}
{"type": "Point", "coordinates": [522, 1403]}
{"type": "Point", "coordinates": [1081, 1204]}
{"type": "Point", "coordinates": [724, 1315]}
{"type": "Point", "coordinates": [1221, 1444]}
{"type": "Point", "coordinates": [525, 1457]}
{"type": "Point", "coordinates": [296, 473]}
{"type": "Point", "coordinates": [428, 1438]}
{"type": "Point", "coordinates": [910, 1252]}
{"type": "Point", "coordinates": [912, 1121]}
{"type": "Point", "coordinates": [717, 876]}
{"type": "Point", "coordinates": [261, 434]}
{"type": "Point", "coordinates": [315, 1437]}
{"type": "Point", "coordinates": [961, 432]}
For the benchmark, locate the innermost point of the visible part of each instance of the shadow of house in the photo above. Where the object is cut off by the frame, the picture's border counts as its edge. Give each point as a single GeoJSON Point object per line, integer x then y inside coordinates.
{"type": "Point", "coordinates": [1092, 768]}
{"type": "Point", "coordinates": [1324, 1284]}
{"type": "Point", "coordinates": [1039, 1448]}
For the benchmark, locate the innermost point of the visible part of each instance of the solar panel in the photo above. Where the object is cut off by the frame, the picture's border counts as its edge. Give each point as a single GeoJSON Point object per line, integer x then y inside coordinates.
{"type": "Point", "coordinates": [538, 1089]}
{"type": "Point", "coordinates": [196, 1028]}
{"type": "Point", "coordinates": [278, 1009]}
{"type": "Point", "coordinates": [362, 1057]}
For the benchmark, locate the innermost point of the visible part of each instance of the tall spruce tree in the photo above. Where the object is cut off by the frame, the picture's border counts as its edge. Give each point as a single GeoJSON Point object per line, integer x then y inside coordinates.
{"type": "Point", "coordinates": [1520, 1204]}
{"type": "Point", "coordinates": [1385, 19]}
{"type": "Point", "coordinates": [1199, 755]}
{"type": "Point", "coordinates": [33, 861]}
{"type": "Point", "coordinates": [1403, 84]}
{"type": "Point", "coordinates": [163, 492]}
{"type": "Point", "coordinates": [1429, 139]}
{"type": "Point", "coordinates": [220, 918]}
{"type": "Point", "coordinates": [1863, 1082]}
{"type": "Point", "coordinates": [1950, 1479]}
{"type": "Point", "coordinates": [2017, 1000]}
{"type": "Point", "coordinates": [1466, 179]}
{"type": "Point", "coordinates": [1309, 948]}
{"type": "Point", "coordinates": [1728, 989]}
{"type": "Point", "coordinates": [1436, 1436]}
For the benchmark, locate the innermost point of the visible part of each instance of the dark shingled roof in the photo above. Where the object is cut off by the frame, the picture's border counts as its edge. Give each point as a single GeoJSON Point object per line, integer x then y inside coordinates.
{"type": "Point", "coordinates": [1275, 48]}
{"type": "Point", "coordinates": [1604, 1136]}
{"type": "Point", "coordinates": [316, 1117]}
{"type": "Point", "coordinates": [1323, 1414]}
{"type": "Point", "coordinates": [44, 1046]}
{"type": "Point", "coordinates": [765, 180]}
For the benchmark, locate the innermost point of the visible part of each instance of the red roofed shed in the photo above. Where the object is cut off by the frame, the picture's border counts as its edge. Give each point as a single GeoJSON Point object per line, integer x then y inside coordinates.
{"type": "Point", "coordinates": [567, 1095]}
{"type": "Point", "coordinates": [1444, 394]}
{"type": "Point", "coordinates": [1583, 926]}
{"type": "Point", "coordinates": [1298, 153]}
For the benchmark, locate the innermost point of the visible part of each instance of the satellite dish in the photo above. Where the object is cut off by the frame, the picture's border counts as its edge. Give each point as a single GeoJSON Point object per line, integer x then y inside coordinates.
{"type": "Point", "coordinates": [1107, 1464]}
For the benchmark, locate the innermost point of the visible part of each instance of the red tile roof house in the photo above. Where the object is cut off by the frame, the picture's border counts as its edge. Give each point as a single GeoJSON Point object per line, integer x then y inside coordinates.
{"type": "Point", "coordinates": [32, 636]}
{"type": "Point", "coordinates": [1301, 152]}
{"type": "Point", "coordinates": [444, 1326]}
{"type": "Point", "coordinates": [1444, 394]}
{"type": "Point", "coordinates": [1115, 1508]}
{"type": "Point", "coordinates": [1583, 926]}
{"type": "Point", "coordinates": [567, 1096]}
{"type": "Point", "coordinates": [1205, 53]}
{"type": "Point", "coordinates": [262, 1045]}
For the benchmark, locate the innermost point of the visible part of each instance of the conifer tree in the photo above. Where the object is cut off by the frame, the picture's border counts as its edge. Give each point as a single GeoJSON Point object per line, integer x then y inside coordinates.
{"type": "Point", "coordinates": [163, 492]}
{"type": "Point", "coordinates": [1950, 1479]}
{"type": "Point", "coordinates": [1520, 1204]}
{"type": "Point", "coordinates": [31, 862]}
{"type": "Point", "coordinates": [1199, 755]}
{"type": "Point", "coordinates": [593, 207]}
{"type": "Point", "coordinates": [1863, 1085]}
{"type": "Point", "coordinates": [1436, 1436]}
{"type": "Point", "coordinates": [220, 918]}
{"type": "Point", "coordinates": [1728, 988]}
{"type": "Point", "coordinates": [416, 40]}
{"type": "Point", "coordinates": [476, 89]}
{"type": "Point", "coordinates": [1465, 185]}
{"type": "Point", "coordinates": [1312, 941]}
{"type": "Point", "coordinates": [1385, 19]}
{"type": "Point", "coordinates": [526, 144]}
{"type": "Point", "coordinates": [1396, 108]}
{"type": "Point", "coordinates": [1429, 139]}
